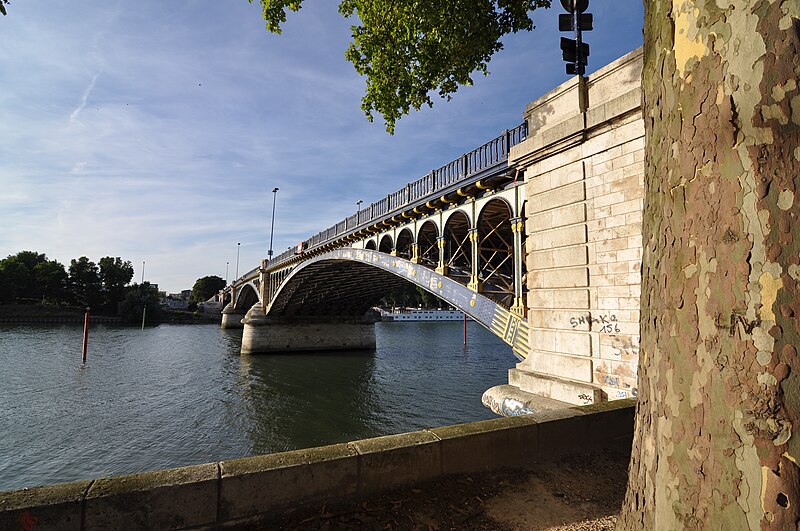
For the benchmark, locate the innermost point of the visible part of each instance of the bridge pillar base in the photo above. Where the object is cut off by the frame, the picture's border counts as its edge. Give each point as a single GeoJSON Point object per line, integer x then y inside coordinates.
{"type": "Point", "coordinates": [510, 401]}
{"type": "Point", "coordinates": [232, 320]}
{"type": "Point", "coordinates": [554, 387]}
{"type": "Point", "coordinates": [274, 337]}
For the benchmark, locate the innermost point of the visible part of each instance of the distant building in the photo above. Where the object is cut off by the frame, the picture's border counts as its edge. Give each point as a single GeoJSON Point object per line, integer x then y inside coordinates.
{"type": "Point", "coordinates": [176, 304]}
{"type": "Point", "coordinates": [185, 294]}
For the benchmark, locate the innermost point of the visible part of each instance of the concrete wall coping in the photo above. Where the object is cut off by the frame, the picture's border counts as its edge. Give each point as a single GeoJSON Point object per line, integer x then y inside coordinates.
{"type": "Point", "coordinates": [234, 490]}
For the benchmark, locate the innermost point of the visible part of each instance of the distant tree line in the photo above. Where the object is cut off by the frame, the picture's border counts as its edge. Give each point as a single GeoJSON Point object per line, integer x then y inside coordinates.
{"type": "Point", "coordinates": [410, 296]}
{"type": "Point", "coordinates": [30, 277]}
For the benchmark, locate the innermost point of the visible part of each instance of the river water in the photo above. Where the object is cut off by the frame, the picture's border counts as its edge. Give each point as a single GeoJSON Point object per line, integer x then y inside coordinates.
{"type": "Point", "coordinates": [177, 395]}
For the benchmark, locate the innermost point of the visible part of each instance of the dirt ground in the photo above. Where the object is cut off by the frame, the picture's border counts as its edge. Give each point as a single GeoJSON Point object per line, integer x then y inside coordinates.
{"type": "Point", "coordinates": [574, 493]}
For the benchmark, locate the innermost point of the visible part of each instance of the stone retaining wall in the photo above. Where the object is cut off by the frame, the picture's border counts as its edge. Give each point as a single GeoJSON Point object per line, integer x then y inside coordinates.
{"type": "Point", "coordinates": [243, 490]}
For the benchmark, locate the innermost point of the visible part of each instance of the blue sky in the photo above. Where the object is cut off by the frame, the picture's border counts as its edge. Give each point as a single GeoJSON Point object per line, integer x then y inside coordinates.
{"type": "Point", "coordinates": [155, 130]}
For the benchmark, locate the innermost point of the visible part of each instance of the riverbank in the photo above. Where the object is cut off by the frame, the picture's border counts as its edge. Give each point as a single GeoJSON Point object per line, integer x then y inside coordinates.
{"type": "Point", "coordinates": [44, 314]}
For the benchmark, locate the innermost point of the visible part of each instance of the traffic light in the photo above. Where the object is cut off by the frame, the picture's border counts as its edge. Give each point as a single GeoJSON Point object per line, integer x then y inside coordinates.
{"type": "Point", "coordinates": [574, 51]}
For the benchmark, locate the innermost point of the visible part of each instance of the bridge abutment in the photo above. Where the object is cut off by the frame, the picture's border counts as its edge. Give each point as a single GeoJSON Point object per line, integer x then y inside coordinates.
{"type": "Point", "coordinates": [584, 184]}
{"type": "Point", "coordinates": [263, 335]}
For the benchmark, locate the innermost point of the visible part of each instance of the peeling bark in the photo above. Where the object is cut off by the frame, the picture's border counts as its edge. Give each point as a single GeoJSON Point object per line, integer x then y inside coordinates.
{"type": "Point", "coordinates": [717, 443]}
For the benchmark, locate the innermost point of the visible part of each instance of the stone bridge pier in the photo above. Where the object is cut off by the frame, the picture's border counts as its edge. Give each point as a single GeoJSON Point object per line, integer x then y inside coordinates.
{"type": "Point", "coordinates": [264, 334]}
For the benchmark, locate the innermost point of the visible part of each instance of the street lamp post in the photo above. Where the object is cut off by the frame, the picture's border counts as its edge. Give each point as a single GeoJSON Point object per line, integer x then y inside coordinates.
{"type": "Point", "coordinates": [272, 226]}
{"type": "Point", "coordinates": [238, 245]}
{"type": "Point", "coordinates": [226, 273]}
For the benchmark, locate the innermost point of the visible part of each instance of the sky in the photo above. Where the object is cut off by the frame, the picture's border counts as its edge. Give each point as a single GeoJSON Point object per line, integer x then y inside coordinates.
{"type": "Point", "coordinates": [155, 131]}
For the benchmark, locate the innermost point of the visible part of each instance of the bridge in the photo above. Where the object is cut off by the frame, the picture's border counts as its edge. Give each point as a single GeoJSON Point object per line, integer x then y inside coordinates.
{"type": "Point", "coordinates": [551, 266]}
{"type": "Point", "coordinates": [456, 232]}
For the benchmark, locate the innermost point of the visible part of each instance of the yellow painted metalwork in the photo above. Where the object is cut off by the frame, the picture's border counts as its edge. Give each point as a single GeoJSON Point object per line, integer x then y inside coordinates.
{"type": "Point", "coordinates": [482, 186]}
{"type": "Point", "coordinates": [444, 199]}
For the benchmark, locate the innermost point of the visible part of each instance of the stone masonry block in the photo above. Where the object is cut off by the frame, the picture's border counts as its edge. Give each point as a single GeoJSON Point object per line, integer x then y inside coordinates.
{"type": "Point", "coordinates": [556, 178]}
{"type": "Point", "coordinates": [560, 341]}
{"type": "Point", "coordinates": [486, 445]}
{"type": "Point", "coordinates": [568, 391]}
{"type": "Point", "coordinates": [164, 499]}
{"type": "Point", "coordinates": [257, 485]}
{"type": "Point", "coordinates": [572, 193]}
{"type": "Point", "coordinates": [555, 319]}
{"type": "Point", "coordinates": [51, 507]}
{"type": "Point", "coordinates": [561, 365]}
{"type": "Point", "coordinates": [561, 298]}
{"type": "Point", "coordinates": [635, 145]}
{"type": "Point", "coordinates": [559, 217]}
{"type": "Point", "coordinates": [634, 205]}
{"type": "Point", "coordinates": [560, 257]}
{"type": "Point", "coordinates": [576, 277]}
{"type": "Point", "coordinates": [394, 460]}
{"type": "Point", "coordinates": [561, 237]}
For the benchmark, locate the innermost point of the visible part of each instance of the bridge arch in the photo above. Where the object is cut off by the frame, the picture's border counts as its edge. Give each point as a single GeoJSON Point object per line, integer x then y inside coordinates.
{"type": "Point", "coordinates": [428, 244]}
{"type": "Point", "coordinates": [246, 298]}
{"type": "Point", "coordinates": [386, 244]}
{"type": "Point", "coordinates": [458, 247]}
{"type": "Point", "coordinates": [370, 244]}
{"type": "Point", "coordinates": [496, 251]}
{"type": "Point", "coordinates": [343, 284]}
{"type": "Point", "coordinates": [405, 244]}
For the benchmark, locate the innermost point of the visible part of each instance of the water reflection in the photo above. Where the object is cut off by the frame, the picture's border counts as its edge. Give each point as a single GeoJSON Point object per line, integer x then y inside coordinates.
{"type": "Point", "coordinates": [304, 400]}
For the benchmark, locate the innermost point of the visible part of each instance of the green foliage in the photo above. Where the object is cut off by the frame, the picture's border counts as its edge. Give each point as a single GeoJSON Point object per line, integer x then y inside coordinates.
{"type": "Point", "coordinates": [114, 275]}
{"type": "Point", "coordinates": [2, 7]}
{"type": "Point", "coordinates": [30, 275]}
{"type": "Point", "coordinates": [206, 287]}
{"type": "Point", "coordinates": [409, 48]}
{"type": "Point", "coordinates": [137, 297]}
{"type": "Point", "coordinates": [51, 277]}
{"type": "Point", "coordinates": [84, 282]}
{"type": "Point", "coordinates": [410, 296]}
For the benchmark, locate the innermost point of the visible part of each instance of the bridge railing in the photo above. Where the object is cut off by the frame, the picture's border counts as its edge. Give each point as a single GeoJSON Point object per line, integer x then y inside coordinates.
{"type": "Point", "coordinates": [461, 170]}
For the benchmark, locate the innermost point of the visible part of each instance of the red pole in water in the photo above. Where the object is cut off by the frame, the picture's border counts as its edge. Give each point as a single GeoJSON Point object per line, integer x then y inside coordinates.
{"type": "Point", "coordinates": [465, 329]}
{"type": "Point", "coordinates": [85, 333]}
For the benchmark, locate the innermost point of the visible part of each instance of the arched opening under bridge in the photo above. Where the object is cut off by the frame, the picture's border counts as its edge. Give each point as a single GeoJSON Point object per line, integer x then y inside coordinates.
{"type": "Point", "coordinates": [370, 245]}
{"type": "Point", "coordinates": [496, 252]}
{"type": "Point", "coordinates": [245, 299]}
{"type": "Point", "coordinates": [386, 244]}
{"type": "Point", "coordinates": [458, 248]}
{"type": "Point", "coordinates": [404, 245]}
{"type": "Point", "coordinates": [427, 243]}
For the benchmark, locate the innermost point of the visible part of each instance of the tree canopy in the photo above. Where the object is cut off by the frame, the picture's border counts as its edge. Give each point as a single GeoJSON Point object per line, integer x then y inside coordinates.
{"type": "Point", "coordinates": [408, 49]}
{"type": "Point", "coordinates": [206, 287]}
{"type": "Point", "coordinates": [29, 276]}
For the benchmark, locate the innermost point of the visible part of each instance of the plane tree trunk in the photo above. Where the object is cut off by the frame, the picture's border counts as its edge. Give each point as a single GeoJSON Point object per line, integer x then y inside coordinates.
{"type": "Point", "coordinates": [717, 442]}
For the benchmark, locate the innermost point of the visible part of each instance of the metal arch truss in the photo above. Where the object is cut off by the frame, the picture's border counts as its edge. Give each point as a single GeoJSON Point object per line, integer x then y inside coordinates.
{"type": "Point", "coordinates": [496, 257]}
{"type": "Point", "coordinates": [297, 289]}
